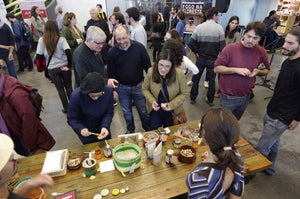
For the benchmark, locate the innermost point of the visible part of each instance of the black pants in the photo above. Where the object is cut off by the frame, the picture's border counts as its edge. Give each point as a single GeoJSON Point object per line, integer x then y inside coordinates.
{"type": "Point", "coordinates": [156, 48]}
{"type": "Point", "coordinates": [63, 83]}
{"type": "Point", "coordinates": [203, 63]}
{"type": "Point", "coordinates": [24, 56]}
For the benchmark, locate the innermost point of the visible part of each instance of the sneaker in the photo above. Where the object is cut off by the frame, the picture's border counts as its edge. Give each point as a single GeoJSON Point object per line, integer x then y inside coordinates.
{"type": "Point", "coordinates": [205, 84]}
{"type": "Point", "coordinates": [129, 132]}
{"type": "Point", "coordinates": [115, 103]}
{"type": "Point", "coordinates": [192, 101]}
{"type": "Point", "coordinates": [208, 102]}
{"type": "Point", "coordinates": [30, 69]}
{"type": "Point", "coordinates": [20, 71]}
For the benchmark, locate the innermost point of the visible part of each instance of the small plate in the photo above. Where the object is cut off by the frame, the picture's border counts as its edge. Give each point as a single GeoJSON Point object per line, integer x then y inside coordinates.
{"type": "Point", "coordinates": [104, 192]}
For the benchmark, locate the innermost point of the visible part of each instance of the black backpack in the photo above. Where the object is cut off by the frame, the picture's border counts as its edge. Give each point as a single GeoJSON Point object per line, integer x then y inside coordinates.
{"type": "Point", "coordinates": [27, 33]}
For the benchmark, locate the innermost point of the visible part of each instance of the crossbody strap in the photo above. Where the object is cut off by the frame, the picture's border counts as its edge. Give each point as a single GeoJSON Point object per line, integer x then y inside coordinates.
{"type": "Point", "coordinates": [50, 57]}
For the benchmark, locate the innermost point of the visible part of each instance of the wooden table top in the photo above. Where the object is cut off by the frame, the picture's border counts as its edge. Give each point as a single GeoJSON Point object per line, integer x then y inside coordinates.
{"type": "Point", "coordinates": [148, 181]}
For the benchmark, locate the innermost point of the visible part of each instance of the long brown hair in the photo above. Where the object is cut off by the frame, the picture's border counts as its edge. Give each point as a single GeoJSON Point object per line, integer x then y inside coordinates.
{"type": "Point", "coordinates": [165, 54]}
{"type": "Point", "coordinates": [51, 36]}
{"type": "Point", "coordinates": [67, 22]}
{"type": "Point", "coordinates": [222, 130]}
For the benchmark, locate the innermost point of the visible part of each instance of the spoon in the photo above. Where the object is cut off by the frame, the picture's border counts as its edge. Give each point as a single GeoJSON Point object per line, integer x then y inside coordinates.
{"type": "Point", "coordinates": [56, 194]}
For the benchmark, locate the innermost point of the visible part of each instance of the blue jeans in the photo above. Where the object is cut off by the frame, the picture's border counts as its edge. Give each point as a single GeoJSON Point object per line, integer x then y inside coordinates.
{"type": "Point", "coordinates": [126, 95]}
{"type": "Point", "coordinates": [203, 63]}
{"type": "Point", "coordinates": [236, 104]}
{"type": "Point", "coordinates": [10, 66]}
{"type": "Point", "coordinates": [268, 144]}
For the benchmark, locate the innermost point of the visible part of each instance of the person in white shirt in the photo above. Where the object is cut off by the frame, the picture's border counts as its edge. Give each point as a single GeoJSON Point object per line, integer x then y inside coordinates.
{"type": "Point", "coordinates": [138, 32]}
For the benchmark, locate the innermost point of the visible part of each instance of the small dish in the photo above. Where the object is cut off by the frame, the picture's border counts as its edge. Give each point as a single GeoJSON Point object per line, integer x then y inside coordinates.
{"type": "Point", "coordinates": [74, 162]}
{"type": "Point", "coordinates": [187, 154]}
{"type": "Point", "coordinates": [104, 192]}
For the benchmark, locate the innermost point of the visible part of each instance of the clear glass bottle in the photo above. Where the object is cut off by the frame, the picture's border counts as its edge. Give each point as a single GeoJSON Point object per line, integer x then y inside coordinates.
{"type": "Point", "coordinates": [107, 151]}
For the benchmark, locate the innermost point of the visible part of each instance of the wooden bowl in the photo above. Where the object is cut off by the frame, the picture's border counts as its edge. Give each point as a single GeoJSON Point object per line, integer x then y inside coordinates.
{"type": "Point", "coordinates": [185, 157]}
{"type": "Point", "coordinates": [74, 163]}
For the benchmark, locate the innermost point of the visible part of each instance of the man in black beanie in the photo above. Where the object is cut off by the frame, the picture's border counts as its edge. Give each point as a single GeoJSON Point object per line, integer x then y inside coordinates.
{"type": "Point", "coordinates": [91, 109]}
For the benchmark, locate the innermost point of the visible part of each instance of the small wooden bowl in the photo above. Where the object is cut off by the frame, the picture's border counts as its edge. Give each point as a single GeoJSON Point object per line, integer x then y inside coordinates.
{"type": "Point", "coordinates": [186, 159]}
{"type": "Point", "coordinates": [74, 165]}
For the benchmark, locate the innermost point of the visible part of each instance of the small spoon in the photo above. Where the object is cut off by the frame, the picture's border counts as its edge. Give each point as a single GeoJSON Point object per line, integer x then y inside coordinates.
{"type": "Point", "coordinates": [56, 194]}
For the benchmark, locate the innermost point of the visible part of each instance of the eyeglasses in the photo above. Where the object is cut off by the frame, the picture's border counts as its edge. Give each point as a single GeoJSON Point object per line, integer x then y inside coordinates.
{"type": "Point", "coordinates": [121, 39]}
{"type": "Point", "coordinates": [99, 43]}
{"type": "Point", "coordinates": [164, 66]}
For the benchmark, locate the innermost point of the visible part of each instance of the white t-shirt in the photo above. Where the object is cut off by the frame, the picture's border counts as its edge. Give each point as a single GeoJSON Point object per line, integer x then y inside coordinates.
{"type": "Point", "coordinates": [59, 58]}
{"type": "Point", "coordinates": [138, 33]}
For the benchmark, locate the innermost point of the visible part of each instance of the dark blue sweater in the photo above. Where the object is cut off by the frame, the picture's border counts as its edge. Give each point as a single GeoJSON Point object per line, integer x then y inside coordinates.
{"type": "Point", "coordinates": [83, 112]}
{"type": "Point", "coordinates": [127, 66]}
{"type": "Point", "coordinates": [6, 38]}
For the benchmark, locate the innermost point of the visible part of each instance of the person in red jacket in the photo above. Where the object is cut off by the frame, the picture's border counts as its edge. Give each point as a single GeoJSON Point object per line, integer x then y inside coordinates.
{"type": "Point", "coordinates": [18, 118]}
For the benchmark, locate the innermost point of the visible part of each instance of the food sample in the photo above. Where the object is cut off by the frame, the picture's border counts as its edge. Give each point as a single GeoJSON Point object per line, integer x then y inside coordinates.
{"type": "Point", "coordinates": [100, 137]}
{"type": "Point", "coordinates": [74, 162]}
{"type": "Point", "coordinates": [187, 153]}
{"type": "Point", "coordinates": [163, 105]}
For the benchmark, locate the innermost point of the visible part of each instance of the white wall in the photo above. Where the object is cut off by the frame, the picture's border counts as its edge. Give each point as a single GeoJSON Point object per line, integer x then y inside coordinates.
{"type": "Point", "coordinates": [248, 10]}
{"type": "Point", "coordinates": [81, 8]}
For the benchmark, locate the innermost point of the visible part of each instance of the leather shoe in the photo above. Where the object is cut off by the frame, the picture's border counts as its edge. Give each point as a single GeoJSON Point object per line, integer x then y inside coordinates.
{"type": "Point", "coordinates": [248, 178]}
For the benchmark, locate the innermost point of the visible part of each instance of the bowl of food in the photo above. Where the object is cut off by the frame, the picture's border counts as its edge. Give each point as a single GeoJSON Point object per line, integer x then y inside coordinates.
{"type": "Point", "coordinates": [149, 136]}
{"type": "Point", "coordinates": [187, 154]}
{"type": "Point", "coordinates": [74, 162]}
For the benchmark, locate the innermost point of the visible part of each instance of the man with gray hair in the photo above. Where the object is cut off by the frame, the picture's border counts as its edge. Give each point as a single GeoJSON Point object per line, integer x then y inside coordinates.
{"type": "Point", "coordinates": [87, 57]}
{"type": "Point", "coordinates": [96, 21]}
{"type": "Point", "coordinates": [59, 17]}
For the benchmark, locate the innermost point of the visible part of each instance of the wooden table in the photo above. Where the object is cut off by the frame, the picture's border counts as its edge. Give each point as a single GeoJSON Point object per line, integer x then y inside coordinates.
{"type": "Point", "coordinates": [148, 181]}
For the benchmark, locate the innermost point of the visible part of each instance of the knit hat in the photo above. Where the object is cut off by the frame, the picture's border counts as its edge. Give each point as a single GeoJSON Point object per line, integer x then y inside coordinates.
{"type": "Point", "coordinates": [92, 83]}
{"type": "Point", "coordinates": [6, 149]}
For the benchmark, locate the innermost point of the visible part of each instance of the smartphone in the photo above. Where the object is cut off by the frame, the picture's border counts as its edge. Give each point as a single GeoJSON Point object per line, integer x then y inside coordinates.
{"type": "Point", "coordinates": [117, 84]}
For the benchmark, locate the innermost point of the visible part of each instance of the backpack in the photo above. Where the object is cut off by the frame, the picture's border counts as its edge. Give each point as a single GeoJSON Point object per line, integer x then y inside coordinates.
{"type": "Point", "coordinates": [27, 33]}
{"type": "Point", "coordinates": [35, 98]}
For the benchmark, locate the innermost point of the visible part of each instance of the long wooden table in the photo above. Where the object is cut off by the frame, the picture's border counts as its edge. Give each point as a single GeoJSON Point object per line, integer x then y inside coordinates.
{"type": "Point", "coordinates": [148, 181]}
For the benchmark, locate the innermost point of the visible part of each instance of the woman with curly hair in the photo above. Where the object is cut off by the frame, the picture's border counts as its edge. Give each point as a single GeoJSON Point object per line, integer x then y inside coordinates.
{"type": "Point", "coordinates": [221, 173]}
{"type": "Point", "coordinates": [56, 51]}
{"type": "Point", "coordinates": [70, 31]}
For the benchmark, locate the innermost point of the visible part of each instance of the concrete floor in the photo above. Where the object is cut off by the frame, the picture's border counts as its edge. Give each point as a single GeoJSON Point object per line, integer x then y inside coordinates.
{"type": "Point", "coordinates": [284, 184]}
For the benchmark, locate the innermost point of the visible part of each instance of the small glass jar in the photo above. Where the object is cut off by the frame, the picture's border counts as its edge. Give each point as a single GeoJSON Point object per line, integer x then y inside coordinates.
{"type": "Point", "coordinates": [177, 143]}
{"type": "Point", "coordinates": [107, 151]}
{"type": "Point", "coordinates": [169, 154]}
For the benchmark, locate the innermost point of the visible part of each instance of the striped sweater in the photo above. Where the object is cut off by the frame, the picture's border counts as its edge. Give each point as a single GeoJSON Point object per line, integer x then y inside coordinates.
{"type": "Point", "coordinates": [208, 40]}
{"type": "Point", "coordinates": [206, 181]}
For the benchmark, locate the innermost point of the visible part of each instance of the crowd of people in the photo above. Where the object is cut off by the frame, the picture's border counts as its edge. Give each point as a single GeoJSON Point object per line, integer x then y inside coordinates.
{"type": "Point", "coordinates": [109, 67]}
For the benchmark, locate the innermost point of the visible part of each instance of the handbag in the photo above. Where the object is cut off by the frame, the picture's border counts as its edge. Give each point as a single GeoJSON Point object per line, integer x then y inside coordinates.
{"type": "Point", "coordinates": [180, 118]}
{"type": "Point", "coordinates": [40, 64]}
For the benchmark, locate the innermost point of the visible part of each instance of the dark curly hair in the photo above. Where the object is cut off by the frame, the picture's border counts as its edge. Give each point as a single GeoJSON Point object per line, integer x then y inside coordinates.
{"type": "Point", "coordinates": [175, 47]}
